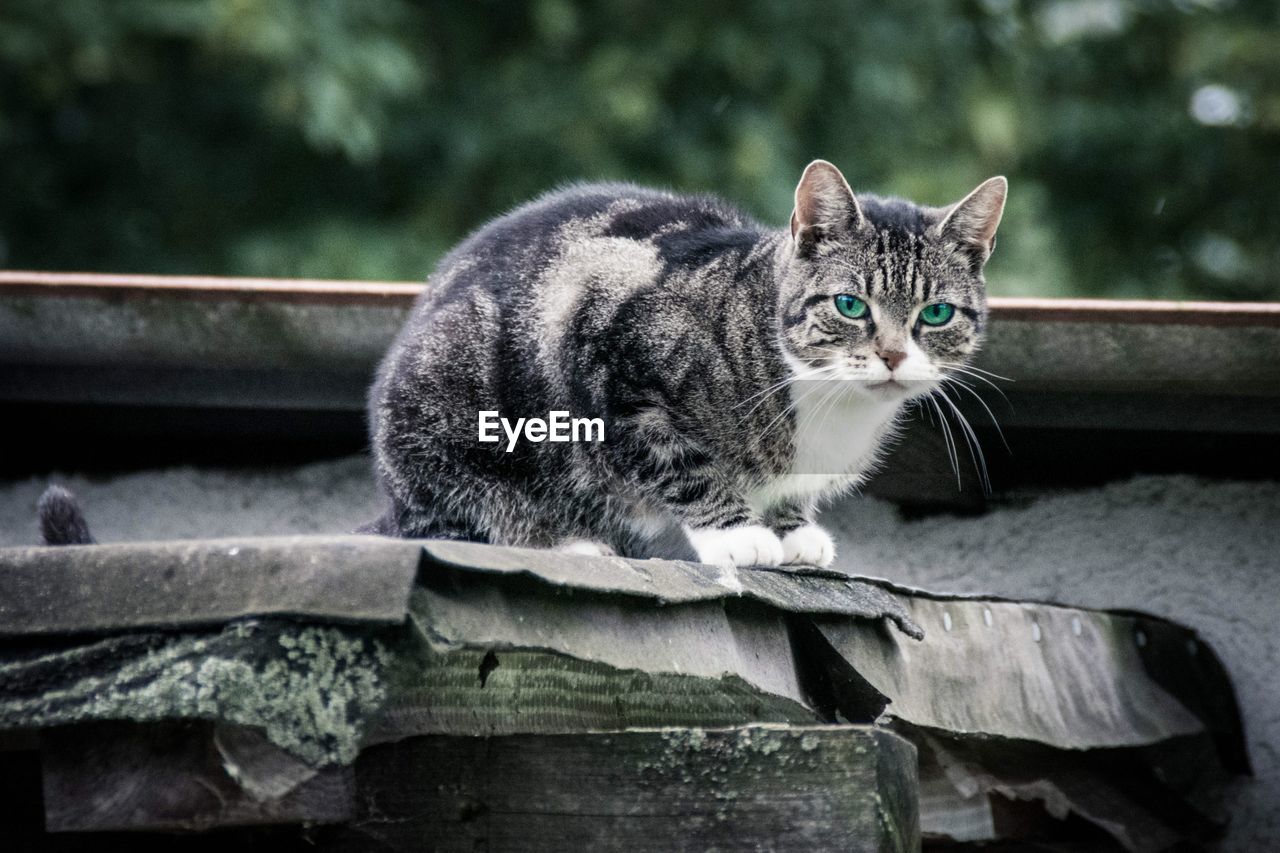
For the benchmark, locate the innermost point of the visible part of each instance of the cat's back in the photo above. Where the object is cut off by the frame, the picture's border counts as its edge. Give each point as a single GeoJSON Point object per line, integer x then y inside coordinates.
{"type": "Point", "coordinates": [615, 234]}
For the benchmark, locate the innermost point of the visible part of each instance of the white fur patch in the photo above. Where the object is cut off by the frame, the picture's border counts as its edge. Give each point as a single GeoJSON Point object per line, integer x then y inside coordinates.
{"type": "Point", "coordinates": [749, 545]}
{"type": "Point", "coordinates": [622, 264]}
{"type": "Point", "coordinates": [809, 545]}
{"type": "Point", "coordinates": [838, 436]}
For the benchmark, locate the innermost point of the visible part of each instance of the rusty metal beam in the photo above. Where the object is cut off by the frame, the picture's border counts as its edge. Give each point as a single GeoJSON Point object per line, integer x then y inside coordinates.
{"type": "Point", "coordinates": [338, 292]}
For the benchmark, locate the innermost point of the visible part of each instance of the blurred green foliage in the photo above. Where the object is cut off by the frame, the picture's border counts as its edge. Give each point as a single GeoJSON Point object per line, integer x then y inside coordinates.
{"type": "Point", "coordinates": [360, 139]}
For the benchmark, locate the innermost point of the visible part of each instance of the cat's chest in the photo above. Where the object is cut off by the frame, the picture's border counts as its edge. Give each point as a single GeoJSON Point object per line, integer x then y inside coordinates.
{"type": "Point", "coordinates": [835, 443]}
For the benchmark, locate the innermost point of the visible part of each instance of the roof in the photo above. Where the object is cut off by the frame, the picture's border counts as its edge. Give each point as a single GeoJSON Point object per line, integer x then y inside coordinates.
{"type": "Point", "coordinates": [398, 639]}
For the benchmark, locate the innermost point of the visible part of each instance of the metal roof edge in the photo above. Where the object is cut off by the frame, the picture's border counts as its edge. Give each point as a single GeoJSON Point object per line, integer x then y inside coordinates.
{"type": "Point", "coordinates": [340, 292]}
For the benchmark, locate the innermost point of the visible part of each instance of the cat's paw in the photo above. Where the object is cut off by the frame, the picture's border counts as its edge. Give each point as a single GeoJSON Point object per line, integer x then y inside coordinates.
{"type": "Point", "coordinates": [750, 545]}
{"type": "Point", "coordinates": [809, 545]}
{"type": "Point", "coordinates": [589, 547]}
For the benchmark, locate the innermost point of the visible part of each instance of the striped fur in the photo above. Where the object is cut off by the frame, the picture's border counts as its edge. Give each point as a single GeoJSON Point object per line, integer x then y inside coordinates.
{"type": "Point", "coordinates": [734, 395]}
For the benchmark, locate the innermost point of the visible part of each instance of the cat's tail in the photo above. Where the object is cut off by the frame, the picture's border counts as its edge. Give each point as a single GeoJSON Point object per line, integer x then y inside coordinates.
{"type": "Point", "coordinates": [61, 520]}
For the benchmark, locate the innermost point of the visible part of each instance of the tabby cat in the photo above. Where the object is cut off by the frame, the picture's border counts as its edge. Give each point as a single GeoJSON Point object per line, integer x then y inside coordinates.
{"type": "Point", "coordinates": [743, 374]}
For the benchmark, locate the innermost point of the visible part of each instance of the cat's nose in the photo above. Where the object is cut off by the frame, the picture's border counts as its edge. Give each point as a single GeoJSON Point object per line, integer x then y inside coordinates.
{"type": "Point", "coordinates": [892, 358]}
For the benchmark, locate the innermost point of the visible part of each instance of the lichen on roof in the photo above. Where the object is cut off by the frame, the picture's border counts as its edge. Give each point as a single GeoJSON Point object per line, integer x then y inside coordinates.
{"type": "Point", "coordinates": [311, 689]}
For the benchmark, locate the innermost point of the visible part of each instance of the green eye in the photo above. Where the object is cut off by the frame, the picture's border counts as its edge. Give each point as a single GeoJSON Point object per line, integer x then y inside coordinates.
{"type": "Point", "coordinates": [851, 306]}
{"type": "Point", "coordinates": [938, 314]}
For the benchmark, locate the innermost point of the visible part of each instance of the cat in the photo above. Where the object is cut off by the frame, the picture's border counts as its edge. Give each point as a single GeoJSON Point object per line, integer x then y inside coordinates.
{"type": "Point", "coordinates": [743, 374]}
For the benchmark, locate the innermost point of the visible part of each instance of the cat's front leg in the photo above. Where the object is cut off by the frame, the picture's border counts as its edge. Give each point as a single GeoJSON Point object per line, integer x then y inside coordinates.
{"type": "Point", "coordinates": [720, 525]}
{"type": "Point", "coordinates": [684, 475]}
{"type": "Point", "coordinates": [803, 542]}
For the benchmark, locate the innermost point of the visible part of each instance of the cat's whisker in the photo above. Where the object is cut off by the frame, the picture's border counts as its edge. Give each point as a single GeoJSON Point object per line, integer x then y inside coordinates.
{"type": "Point", "coordinates": [972, 371]}
{"type": "Point", "coordinates": [973, 392]}
{"type": "Point", "coordinates": [759, 439]}
{"type": "Point", "coordinates": [800, 377]}
{"type": "Point", "coordinates": [942, 426]}
{"type": "Point", "coordinates": [975, 373]}
{"type": "Point", "coordinates": [773, 387]}
{"type": "Point", "coordinates": [971, 438]}
{"type": "Point", "coordinates": [826, 405]}
{"type": "Point", "coordinates": [964, 371]}
{"type": "Point", "coordinates": [955, 447]}
{"type": "Point", "coordinates": [948, 440]}
{"type": "Point", "coordinates": [809, 378]}
{"type": "Point", "coordinates": [795, 403]}
{"type": "Point", "coordinates": [917, 406]}
{"type": "Point", "coordinates": [977, 369]}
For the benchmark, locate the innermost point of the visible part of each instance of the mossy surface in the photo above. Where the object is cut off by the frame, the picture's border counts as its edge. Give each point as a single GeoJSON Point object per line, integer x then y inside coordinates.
{"type": "Point", "coordinates": [310, 689]}
{"type": "Point", "coordinates": [322, 692]}
{"type": "Point", "coordinates": [478, 692]}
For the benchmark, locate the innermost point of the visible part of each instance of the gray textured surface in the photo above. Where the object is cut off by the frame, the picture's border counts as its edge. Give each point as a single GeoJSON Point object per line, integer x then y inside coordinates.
{"type": "Point", "coordinates": [675, 582]}
{"type": "Point", "coordinates": [1204, 553]}
{"type": "Point", "coordinates": [1070, 678]}
{"type": "Point", "coordinates": [125, 585]}
{"type": "Point", "coordinates": [106, 777]}
{"type": "Point", "coordinates": [185, 503]}
{"type": "Point", "coordinates": [793, 789]}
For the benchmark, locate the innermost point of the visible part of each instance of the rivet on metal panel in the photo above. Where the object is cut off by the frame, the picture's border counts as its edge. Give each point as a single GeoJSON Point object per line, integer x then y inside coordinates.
{"type": "Point", "coordinates": [1076, 627]}
{"type": "Point", "coordinates": [946, 620]}
{"type": "Point", "coordinates": [986, 616]}
{"type": "Point", "coordinates": [1035, 631]}
{"type": "Point", "coordinates": [1140, 638]}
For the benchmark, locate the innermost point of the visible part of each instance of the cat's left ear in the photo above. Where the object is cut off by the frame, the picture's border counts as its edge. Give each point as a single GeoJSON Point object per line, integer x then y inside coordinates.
{"type": "Point", "coordinates": [973, 220]}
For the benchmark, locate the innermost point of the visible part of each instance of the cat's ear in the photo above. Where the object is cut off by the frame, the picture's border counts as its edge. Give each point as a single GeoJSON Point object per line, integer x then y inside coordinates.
{"type": "Point", "coordinates": [973, 220]}
{"type": "Point", "coordinates": [825, 206]}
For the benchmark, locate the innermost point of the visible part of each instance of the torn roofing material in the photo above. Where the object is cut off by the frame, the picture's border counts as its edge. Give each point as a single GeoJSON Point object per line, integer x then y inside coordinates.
{"type": "Point", "coordinates": [1058, 676]}
{"type": "Point", "coordinates": [676, 582]}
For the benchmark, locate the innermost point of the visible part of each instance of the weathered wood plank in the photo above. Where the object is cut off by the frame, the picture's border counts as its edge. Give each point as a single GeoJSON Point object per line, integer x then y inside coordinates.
{"type": "Point", "coordinates": [174, 776]}
{"type": "Point", "coordinates": [762, 787]}
{"type": "Point", "coordinates": [471, 692]}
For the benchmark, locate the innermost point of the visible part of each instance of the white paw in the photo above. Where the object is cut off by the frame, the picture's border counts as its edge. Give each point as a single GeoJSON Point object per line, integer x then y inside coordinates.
{"type": "Point", "coordinates": [586, 546]}
{"type": "Point", "coordinates": [809, 545]}
{"type": "Point", "coordinates": [751, 545]}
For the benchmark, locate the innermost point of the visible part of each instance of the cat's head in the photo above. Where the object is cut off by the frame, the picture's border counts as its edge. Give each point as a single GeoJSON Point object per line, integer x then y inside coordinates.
{"type": "Point", "coordinates": [883, 293]}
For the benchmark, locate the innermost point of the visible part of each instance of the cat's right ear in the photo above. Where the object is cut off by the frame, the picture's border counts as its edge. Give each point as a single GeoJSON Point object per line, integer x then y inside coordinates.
{"type": "Point", "coordinates": [825, 206]}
